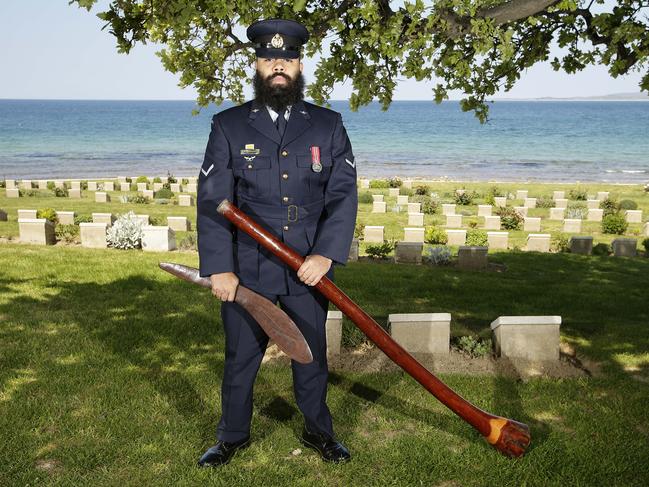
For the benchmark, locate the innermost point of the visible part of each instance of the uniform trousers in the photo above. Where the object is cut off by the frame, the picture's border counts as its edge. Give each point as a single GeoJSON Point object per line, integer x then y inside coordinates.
{"type": "Point", "coordinates": [246, 344]}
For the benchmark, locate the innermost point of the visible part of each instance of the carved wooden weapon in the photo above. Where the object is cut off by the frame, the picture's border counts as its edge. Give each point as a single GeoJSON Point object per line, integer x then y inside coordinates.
{"type": "Point", "coordinates": [506, 435]}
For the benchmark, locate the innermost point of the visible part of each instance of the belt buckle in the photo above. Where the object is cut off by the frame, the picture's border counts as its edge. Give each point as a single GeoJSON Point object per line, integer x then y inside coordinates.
{"type": "Point", "coordinates": [289, 213]}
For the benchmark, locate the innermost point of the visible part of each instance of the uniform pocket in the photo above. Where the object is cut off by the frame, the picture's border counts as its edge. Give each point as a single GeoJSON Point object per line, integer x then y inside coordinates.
{"type": "Point", "coordinates": [310, 177]}
{"type": "Point", "coordinates": [254, 172]}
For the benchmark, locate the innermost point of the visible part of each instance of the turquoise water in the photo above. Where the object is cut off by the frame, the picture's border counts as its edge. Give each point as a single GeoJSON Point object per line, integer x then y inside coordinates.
{"type": "Point", "coordinates": [535, 140]}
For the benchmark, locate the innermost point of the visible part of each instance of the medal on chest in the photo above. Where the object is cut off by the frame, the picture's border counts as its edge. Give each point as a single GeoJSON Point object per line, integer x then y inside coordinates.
{"type": "Point", "coordinates": [316, 166]}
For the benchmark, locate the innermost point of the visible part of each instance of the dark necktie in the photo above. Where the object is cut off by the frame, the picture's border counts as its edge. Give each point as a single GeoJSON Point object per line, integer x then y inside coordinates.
{"type": "Point", "coordinates": [280, 123]}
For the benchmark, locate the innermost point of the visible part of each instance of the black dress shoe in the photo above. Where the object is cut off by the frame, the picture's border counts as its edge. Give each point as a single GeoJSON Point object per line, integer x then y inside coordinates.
{"type": "Point", "coordinates": [330, 450]}
{"type": "Point", "coordinates": [221, 453]}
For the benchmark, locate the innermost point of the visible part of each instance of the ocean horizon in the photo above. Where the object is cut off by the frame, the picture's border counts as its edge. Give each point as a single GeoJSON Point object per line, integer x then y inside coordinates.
{"type": "Point", "coordinates": [534, 140]}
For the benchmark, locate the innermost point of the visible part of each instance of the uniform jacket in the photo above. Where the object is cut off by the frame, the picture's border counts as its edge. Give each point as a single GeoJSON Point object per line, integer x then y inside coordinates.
{"type": "Point", "coordinates": [272, 180]}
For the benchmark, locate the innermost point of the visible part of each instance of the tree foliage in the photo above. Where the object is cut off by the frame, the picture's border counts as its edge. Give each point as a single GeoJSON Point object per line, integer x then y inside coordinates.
{"type": "Point", "coordinates": [476, 46]}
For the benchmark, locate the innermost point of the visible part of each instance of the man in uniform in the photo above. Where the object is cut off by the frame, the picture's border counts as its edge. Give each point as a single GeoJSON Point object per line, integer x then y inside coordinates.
{"type": "Point", "coordinates": [289, 165]}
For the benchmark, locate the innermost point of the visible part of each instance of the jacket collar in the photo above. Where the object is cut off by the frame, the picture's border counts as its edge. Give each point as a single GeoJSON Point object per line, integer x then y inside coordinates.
{"type": "Point", "coordinates": [298, 122]}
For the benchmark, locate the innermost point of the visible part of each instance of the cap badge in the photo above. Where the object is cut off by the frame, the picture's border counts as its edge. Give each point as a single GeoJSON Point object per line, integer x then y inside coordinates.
{"type": "Point", "coordinates": [277, 41]}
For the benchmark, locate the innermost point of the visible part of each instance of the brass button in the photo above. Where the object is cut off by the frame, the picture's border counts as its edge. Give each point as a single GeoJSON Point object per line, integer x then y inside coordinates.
{"type": "Point", "coordinates": [249, 166]}
{"type": "Point", "coordinates": [285, 198]}
{"type": "Point", "coordinates": [285, 227]}
{"type": "Point", "coordinates": [284, 153]}
{"type": "Point", "coordinates": [285, 176]}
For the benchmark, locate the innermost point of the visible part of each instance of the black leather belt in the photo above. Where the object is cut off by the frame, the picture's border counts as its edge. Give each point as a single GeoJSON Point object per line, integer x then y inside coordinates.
{"type": "Point", "coordinates": [291, 213]}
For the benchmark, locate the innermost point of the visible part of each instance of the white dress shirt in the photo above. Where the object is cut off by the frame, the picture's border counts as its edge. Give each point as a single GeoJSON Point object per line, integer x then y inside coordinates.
{"type": "Point", "coordinates": [274, 114]}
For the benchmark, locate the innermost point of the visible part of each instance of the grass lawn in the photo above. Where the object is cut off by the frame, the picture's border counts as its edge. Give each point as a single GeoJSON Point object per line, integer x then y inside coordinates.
{"type": "Point", "coordinates": [110, 374]}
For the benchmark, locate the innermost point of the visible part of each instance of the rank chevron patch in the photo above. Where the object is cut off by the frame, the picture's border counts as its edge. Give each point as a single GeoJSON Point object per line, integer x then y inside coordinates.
{"type": "Point", "coordinates": [205, 173]}
{"type": "Point", "coordinates": [352, 164]}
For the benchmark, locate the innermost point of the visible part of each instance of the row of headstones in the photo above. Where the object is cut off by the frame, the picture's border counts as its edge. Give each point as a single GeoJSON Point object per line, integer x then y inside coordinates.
{"type": "Point", "coordinates": [410, 248]}
{"type": "Point", "coordinates": [107, 186]}
{"type": "Point", "coordinates": [183, 199]}
{"type": "Point", "coordinates": [93, 234]}
{"type": "Point", "coordinates": [534, 338]}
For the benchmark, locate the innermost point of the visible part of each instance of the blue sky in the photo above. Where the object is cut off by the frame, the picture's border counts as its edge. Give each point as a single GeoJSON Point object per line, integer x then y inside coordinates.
{"type": "Point", "coordinates": [52, 50]}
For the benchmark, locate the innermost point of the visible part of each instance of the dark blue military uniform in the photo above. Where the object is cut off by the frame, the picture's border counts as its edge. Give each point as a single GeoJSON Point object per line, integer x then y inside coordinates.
{"type": "Point", "coordinates": [273, 180]}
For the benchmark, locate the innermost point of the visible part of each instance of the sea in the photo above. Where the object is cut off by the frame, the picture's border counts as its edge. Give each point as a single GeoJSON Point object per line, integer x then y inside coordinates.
{"type": "Point", "coordinates": [544, 140]}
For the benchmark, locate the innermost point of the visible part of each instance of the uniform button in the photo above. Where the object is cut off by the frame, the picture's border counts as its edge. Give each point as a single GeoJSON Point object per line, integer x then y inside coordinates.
{"type": "Point", "coordinates": [285, 176]}
{"type": "Point", "coordinates": [285, 198]}
{"type": "Point", "coordinates": [249, 166]}
{"type": "Point", "coordinates": [285, 227]}
{"type": "Point", "coordinates": [284, 153]}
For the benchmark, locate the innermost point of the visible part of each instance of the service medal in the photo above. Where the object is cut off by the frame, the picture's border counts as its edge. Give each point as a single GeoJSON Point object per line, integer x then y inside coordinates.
{"type": "Point", "coordinates": [316, 166]}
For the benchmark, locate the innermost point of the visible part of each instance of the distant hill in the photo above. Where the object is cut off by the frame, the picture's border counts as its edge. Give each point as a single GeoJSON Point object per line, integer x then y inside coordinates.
{"type": "Point", "coordinates": [611, 97]}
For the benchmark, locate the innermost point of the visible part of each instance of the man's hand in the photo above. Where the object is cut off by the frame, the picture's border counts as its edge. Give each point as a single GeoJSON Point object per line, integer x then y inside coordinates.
{"type": "Point", "coordinates": [224, 285]}
{"type": "Point", "coordinates": [313, 268]}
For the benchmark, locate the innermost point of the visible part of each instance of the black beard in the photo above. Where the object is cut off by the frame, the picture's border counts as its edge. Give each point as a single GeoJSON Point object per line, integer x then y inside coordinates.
{"type": "Point", "coordinates": [278, 97]}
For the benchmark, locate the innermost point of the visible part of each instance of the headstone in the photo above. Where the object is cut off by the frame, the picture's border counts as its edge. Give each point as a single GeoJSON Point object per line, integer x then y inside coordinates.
{"type": "Point", "coordinates": [521, 210]}
{"type": "Point", "coordinates": [192, 179]}
{"type": "Point", "coordinates": [190, 188]}
{"type": "Point", "coordinates": [102, 197]}
{"type": "Point", "coordinates": [492, 222]}
{"type": "Point", "coordinates": [42, 184]}
{"type": "Point", "coordinates": [415, 219]}
{"type": "Point", "coordinates": [413, 234]}
{"type": "Point", "coordinates": [595, 215]}
{"type": "Point", "coordinates": [26, 184]}
{"type": "Point", "coordinates": [143, 218]}
{"type": "Point", "coordinates": [530, 203]}
{"type": "Point", "coordinates": [500, 201]}
{"type": "Point", "coordinates": [456, 237]}
{"type": "Point", "coordinates": [58, 183]}
{"type": "Point", "coordinates": [497, 240]}
{"type": "Point", "coordinates": [142, 187]}
{"type": "Point", "coordinates": [175, 187]}
{"type": "Point", "coordinates": [157, 186]}
{"type": "Point", "coordinates": [448, 209]}
{"type": "Point", "coordinates": [75, 185]}
{"type": "Point", "coordinates": [561, 203]}
{"type": "Point", "coordinates": [27, 214]}
{"type": "Point", "coordinates": [408, 252]}
{"type": "Point", "coordinates": [646, 229]}
{"type": "Point", "coordinates": [484, 210]}
{"type": "Point", "coordinates": [378, 207]}
{"type": "Point", "coordinates": [531, 224]}
{"type": "Point", "coordinates": [407, 183]}
{"type": "Point", "coordinates": [158, 239]}
{"type": "Point", "coordinates": [592, 204]}
{"type": "Point", "coordinates": [602, 195]}
{"type": "Point", "coordinates": [538, 242]}
{"type": "Point", "coordinates": [521, 194]}
{"type": "Point", "coordinates": [36, 231]}
{"type": "Point", "coordinates": [558, 195]}
{"type": "Point", "coordinates": [527, 337]}
{"type": "Point", "coordinates": [353, 251]}
{"type": "Point", "coordinates": [74, 193]}
{"type": "Point", "coordinates": [124, 186]}
{"type": "Point", "coordinates": [65, 217]}
{"type": "Point", "coordinates": [92, 185]}
{"type": "Point", "coordinates": [421, 332]}
{"type": "Point", "coordinates": [472, 257]}
{"type": "Point", "coordinates": [178, 223]}
{"type": "Point", "coordinates": [373, 234]}
{"type": "Point", "coordinates": [634, 216]}
{"type": "Point", "coordinates": [454, 221]}
{"type": "Point", "coordinates": [393, 192]}
{"type": "Point", "coordinates": [581, 245]}
{"type": "Point", "coordinates": [106, 218]}
{"type": "Point", "coordinates": [185, 200]}
{"type": "Point", "coordinates": [109, 186]}
{"type": "Point", "coordinates": [414, 207]}
{"type": "Point", "coordinates": [334, 332]}
{"type": "Point", "coordinates": [148, 193]}
{"type": "Point", "coordinates": [93, 235]}
{"type": "Point", "coordinates": [121, 179]}
{"type": "Point", "coordinates": [557, 213]}
{"type": "Point", "coordinates": [572, 225]}
{"type": "Point", "coordinates": [10, 184]}
{"type": "Point", "coordinates": [402, 200]}
{"type": "Point", "coordinates": [13, 193]}
{"type": "Point", "coordinates": [377, 197]}
{"type": "Point", "coordinates": [625, 247]}
{"type": "Point", "coordinates": [365, 183]}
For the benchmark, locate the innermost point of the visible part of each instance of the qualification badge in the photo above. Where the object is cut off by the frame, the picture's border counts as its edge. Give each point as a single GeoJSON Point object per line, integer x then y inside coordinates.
{"type": "Point", "coordinates": [316, 166]}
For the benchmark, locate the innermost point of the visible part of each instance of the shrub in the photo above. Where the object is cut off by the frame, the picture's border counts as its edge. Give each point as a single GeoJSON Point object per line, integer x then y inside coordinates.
{"type": "Point", "coordinates": [60, 192]}
{"type": "Point", "coordinates": [602, 249]}
{"type": "Point", "coordinates": [156, 220]}
{"type": "Point", "coordinates": [492, 192]}
{"type": "Point", "coordinates": [579, 194]}
{"type": "Point", "coordinates": [407, 192]}
{"type": "Point", "coordinates": [82, 219]}
{"type": "Point", "coordinates": [380, 251]}
{"type": "Point", "coordinates": [379, 184]}
{"type": "Point", "coordinates": [190, 242]}
{"type": "Point", "coordinates": [438, 255]}
{"type": "Point", "coordinates": [464, 197]}
{"type": "Point", "coordinates": [615, 224]}
{"type": "Point", "coordinates": [84, 185]}
{"type": "Point", "coordinates": [126, 232]}
{"type": "Point", "coordinates": [3, 183]}
{"type": "Point", "coordinates": [171, 178]}
{"type": "Point", "coordinates": [163, 193]}
{"type": "Point", "coordinates": [51, 185]}
{"type": "Point", "coordinates": [421, 189]}
{"type": "Point", "coordinates": [30, 192]}
{"type": "Point", "coordinates": [395, 182]}
{"type": "Point", "coordinates": [610, 206]}
{"type": "Point", "coordinates": [560, 243]}
{"type": "Point", "coordinates": [157, 180]}
{"type": "Point", "coordinates": [428, 204]}
{"type": "Point", "coordinates": [141, 179]}
{"type": "Point", "coordinates": [545, 202]}
{"type": "Point", "coordinates": [628, 205]}
{"type": "Point", "coordinates": [49, 214]}
{"type": "Point", "coordinates": [184, 181]}
{"type": "Point", "coordinates": [645, 244]}
{"type": "Point", "coordinates": [476, 237]}
{"type": "Point", "coordinates": [475, 347]}
{"type": "Point", "coordinates": [358, 230]}
{"type": "Point", "coordinates": [434, 235]}
{"type": "Point", "coordinates": [67, 233]}
{"type": "Point", "coordinates": [365, 197]}
{"type": "Point", "coordinates": [510, 219]}
{"type": "Point", "coordinates": [576, 210]}
{"type": "Point", "coordinates": [139, 199]}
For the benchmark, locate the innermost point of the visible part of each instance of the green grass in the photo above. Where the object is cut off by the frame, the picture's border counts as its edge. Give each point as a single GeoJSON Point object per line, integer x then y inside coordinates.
{"type": "Point", "coordinates": [110, 374]}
